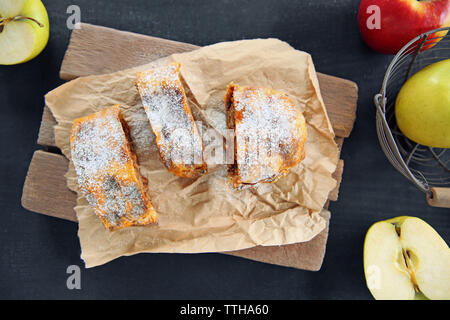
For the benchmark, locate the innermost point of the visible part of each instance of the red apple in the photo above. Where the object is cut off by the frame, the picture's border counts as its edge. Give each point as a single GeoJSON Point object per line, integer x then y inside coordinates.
{"type": "Point", "coordinates": [387, 25]}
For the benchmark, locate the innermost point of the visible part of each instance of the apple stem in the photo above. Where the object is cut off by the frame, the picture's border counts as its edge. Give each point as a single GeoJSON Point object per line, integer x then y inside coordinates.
{"type": "Point", "coordinates": [5, 21]}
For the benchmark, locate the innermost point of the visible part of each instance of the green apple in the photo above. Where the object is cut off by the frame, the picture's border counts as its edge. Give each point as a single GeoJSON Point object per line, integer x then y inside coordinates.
{"type": "Point", "coordinates": [406, 259]}
{"type": "Point", "coordinates": [422, 108]}
{"type": "Point", "coordinates": [24, 30]}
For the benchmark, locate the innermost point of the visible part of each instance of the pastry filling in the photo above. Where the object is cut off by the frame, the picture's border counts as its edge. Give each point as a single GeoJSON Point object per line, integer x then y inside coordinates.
{"type": "Point", "coordinates": [233, 169]}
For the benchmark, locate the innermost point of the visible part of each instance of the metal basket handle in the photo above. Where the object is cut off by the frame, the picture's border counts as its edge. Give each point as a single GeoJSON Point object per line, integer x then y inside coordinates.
{"type": "Point", "coordinates": [440, 197]}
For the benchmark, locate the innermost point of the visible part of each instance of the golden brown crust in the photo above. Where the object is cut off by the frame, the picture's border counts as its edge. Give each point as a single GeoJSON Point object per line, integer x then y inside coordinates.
{"type": "Point", "coordinates": [270, 134]}
{"type": "Point", "coordinates": [108, 171]}
{"type": "Point", "coordinates": [179, 143]}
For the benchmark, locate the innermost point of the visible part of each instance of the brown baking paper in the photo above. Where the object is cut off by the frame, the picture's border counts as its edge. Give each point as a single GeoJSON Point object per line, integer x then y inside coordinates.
{"type": "Point", "coordinates": [206, 214]}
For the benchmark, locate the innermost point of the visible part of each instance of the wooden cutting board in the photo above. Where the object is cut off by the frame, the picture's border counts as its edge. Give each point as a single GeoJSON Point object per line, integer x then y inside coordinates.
{"type": "Point", "coordinates": [97, 50]}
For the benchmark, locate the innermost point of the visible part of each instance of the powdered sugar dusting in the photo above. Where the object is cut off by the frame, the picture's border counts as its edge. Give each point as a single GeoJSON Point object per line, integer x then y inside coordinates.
{"type": "Point", "coordinates": [97, 150]}
{"type": "Point", "coordinates": [166, 107]}
{"type": "Point", "coordinates": [266, 133]}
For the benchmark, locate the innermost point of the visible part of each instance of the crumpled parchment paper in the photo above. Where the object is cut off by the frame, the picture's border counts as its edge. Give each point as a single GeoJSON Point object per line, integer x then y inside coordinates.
{"type": "Point", "coordinates": [206, 214]}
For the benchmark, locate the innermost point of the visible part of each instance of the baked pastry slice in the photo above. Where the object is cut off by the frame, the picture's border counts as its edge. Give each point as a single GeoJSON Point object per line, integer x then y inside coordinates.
{"type": "Point", "coordinates": [270, 134]}
{"type": "Point", "coordinates": [108, 172]}
{"type": "Point", "coordinates": [177, 137]}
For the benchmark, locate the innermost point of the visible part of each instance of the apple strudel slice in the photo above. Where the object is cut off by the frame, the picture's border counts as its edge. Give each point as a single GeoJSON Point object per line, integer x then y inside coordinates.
{"type": "Point", "coordinates": [108, 172]}
{"type": "Point", "coordinates": [270, 134]}
{"type": "Point", "coordinates": [179, 143]}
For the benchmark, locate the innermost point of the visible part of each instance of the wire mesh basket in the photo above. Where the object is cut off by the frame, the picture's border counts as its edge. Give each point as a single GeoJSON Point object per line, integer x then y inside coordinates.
{"type": "Point", "coordinates": [426, 167]}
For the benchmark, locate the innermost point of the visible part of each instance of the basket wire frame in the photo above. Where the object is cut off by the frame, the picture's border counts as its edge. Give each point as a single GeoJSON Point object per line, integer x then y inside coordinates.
{"type": "Point", "coordinates": [425, 166]}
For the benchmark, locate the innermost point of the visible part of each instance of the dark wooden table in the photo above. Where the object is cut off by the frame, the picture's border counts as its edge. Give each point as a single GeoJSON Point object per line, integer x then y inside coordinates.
{"type": "Point", "coordinates": [36, 250]}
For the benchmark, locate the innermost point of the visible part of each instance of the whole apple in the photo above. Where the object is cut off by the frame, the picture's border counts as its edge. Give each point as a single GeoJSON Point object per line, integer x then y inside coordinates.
{"type": "Point", "coordinates": [24, 30]}
{"type": "Point", "coordinates": [387, 25]}
{"type": "Point", "coordinates": [422, 107]}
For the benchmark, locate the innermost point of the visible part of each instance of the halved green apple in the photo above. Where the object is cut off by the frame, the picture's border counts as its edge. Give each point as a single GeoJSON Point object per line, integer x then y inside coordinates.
{"type": "Point", "coordinates": [24, 30]}
{"type": "Point", "coordinates": [406, 259]}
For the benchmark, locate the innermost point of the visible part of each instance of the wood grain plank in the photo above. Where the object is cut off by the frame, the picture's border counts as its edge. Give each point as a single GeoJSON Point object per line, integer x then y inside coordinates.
{"type": "Point", "coordinates": [51, 167]}
{"type": "Point", "coordinates": [340, 97]}
{"type": "Point", "coordinates": [334, 194]}
{"type": "Point", "coordinates": [46, 135]}
{"type": "Point", "coordinates": [99, 50]}
{"type": "Point", "coordinates": [45, 190]}
{"type": "Point", "coordinates": [305, 255]}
